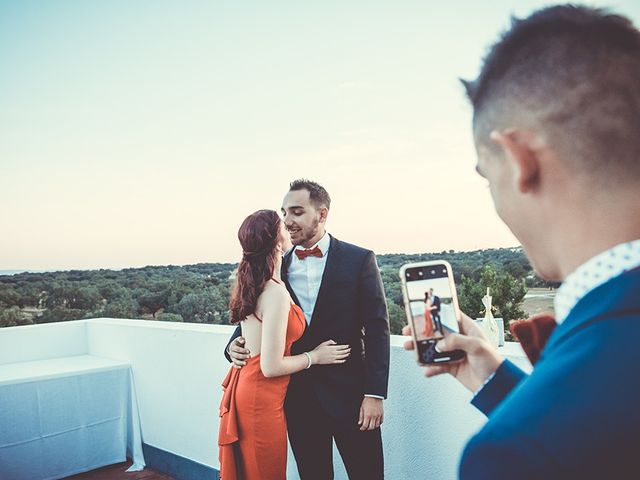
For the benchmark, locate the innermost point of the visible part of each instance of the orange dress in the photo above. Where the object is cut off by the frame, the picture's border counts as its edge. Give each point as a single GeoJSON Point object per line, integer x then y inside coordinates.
{"type": "Point", "coordinates": [253, 429]}
{"type": "Point", "coordinates": [428, 322]}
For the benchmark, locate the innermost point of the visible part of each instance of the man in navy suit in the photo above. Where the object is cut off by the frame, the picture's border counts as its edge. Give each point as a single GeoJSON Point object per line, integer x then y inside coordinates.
{"type": "Point", "coordinates": [435, 312]}
{"type": "Point", "coordinates": [556, 123]}
{"type": "Point", "coordinates": [338, 286]}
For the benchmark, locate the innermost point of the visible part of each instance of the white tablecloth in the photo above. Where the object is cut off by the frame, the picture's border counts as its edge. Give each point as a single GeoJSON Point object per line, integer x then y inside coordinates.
{"type": "Point", "coordinates": [68, 415]}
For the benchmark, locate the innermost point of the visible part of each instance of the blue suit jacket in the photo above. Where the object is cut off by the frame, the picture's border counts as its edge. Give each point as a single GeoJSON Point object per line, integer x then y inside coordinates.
{"type": "Point", "coordinates": [577, 416]}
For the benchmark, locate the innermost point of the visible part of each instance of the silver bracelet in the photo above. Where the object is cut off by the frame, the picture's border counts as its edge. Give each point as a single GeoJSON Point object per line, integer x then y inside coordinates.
{"type": "Point", "coordinates": [308, 359]}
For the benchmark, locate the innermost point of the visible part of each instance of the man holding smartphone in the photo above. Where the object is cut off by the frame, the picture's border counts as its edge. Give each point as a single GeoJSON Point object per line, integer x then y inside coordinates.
{"type": "Point", "coordinates": [557, 130]}
{"type": "Point", "coordinates": [339, 288]}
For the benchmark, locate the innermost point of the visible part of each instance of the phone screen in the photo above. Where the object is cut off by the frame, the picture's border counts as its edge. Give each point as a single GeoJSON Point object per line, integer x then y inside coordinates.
{"type": "Point", "coordinates": [431, 305]}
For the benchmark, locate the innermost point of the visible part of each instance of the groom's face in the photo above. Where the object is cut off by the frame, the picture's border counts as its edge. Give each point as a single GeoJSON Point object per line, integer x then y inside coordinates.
{"type": "Point", "coordinates": [304, 221]}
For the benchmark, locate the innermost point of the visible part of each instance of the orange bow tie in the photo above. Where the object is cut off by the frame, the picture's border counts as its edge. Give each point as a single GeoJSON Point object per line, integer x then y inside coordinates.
{"type": "Point", "coordinates": [533, 334]}
{"type": "Point", "coordinates": [303, 253]}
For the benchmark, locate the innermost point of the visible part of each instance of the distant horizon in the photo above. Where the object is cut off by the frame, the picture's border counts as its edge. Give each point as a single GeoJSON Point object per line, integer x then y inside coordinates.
{"type": "Point", "coordinates": [15, 271]}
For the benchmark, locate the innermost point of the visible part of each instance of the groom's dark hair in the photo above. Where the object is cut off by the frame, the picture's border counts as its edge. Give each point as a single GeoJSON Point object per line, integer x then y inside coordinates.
{"type": "Point", "coordinates": [317, 194]}
{"type": "Point", "coordinates": [571, 73]}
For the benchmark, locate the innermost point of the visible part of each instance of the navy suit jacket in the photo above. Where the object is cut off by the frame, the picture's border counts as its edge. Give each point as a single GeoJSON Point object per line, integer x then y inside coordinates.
{"type": "Point", "coordinates": [436, 303]}
{"type": "Point", "coordinates": [577, 416]}
{"type": "Point", "coordinates": [351, 309]}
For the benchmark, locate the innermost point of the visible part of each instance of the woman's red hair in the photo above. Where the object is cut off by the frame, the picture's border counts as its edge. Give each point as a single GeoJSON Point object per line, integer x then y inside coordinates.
{"type": "Point", "coordinates": [258, 237]}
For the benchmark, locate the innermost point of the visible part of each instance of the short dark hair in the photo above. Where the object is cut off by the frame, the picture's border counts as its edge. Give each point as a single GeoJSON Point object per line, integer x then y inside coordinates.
{"type": "Point", "coordinates": [573, 72]}
{"type": "Point", "coordinates": [317, 194]}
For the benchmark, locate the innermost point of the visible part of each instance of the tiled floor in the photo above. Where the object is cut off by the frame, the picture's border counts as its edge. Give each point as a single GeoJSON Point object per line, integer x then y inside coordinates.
{"type": "Point", "coordinates": [118, 472]}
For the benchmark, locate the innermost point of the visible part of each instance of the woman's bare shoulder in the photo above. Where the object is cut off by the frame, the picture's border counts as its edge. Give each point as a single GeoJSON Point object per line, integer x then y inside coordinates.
{"type": "Point", "coordinates": [274, 294]}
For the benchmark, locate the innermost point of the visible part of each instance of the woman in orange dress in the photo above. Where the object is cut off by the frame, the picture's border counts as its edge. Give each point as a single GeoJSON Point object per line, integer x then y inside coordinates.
{"type": "Point", "coordinates": [253, 431]}
{"type": "Point", "coordinates": [428, 322]}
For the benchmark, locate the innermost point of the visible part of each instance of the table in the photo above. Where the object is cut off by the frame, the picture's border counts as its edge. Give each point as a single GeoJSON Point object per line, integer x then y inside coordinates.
{"type": "Point", "coordinates": [63, 416]}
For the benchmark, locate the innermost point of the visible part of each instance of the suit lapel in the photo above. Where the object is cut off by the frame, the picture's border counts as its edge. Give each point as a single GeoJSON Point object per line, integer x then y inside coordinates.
{"type": "Point", "coordinates": [284, 274]}
{"type": "Point", "coordinates": [333, 259]}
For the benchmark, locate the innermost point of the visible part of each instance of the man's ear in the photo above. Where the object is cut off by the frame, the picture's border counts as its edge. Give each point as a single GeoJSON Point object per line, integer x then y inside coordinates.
{"type": "Point", "coordinates": [324, 213]}
{"type": "Point", "coordinates": [522, 149]}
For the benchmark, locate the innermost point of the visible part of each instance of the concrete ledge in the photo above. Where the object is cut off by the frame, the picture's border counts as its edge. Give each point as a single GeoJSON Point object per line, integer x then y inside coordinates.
{"type": "Point", "coordinates": [178, 368]}
{"type": "Point", "coordinates": [178, 467]}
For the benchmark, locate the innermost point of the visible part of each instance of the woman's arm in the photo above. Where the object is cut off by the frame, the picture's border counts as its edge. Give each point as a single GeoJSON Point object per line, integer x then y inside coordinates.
{"type": "Point", "coordinates": [275, 316]}
{"type": "Point", "coordinates": [273, 363]}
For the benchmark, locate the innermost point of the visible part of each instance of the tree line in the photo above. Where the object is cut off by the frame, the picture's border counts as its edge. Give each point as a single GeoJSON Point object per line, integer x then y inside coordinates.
{"type": "Point", "coordinates": [200, 293]}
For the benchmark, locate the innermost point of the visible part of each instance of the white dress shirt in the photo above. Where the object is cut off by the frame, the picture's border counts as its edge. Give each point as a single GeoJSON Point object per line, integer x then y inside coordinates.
{"type": "Point", "coordinates": [593, 273]}
{"type": "Point", "coordinates": [305, 276]}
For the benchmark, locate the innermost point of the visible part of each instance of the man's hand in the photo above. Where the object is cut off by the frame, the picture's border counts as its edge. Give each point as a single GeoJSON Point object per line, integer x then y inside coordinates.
{"type": "Point", "coordinates": [371, 413]}
{"type": "Point", "coordinates": [481, 360]}
{"type": "Point", "coordinates": [238, 353]}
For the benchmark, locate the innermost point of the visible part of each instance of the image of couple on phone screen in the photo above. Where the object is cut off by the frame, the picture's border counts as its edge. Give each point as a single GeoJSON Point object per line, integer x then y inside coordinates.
{"type": "Point", "coordinates": [431, 305]}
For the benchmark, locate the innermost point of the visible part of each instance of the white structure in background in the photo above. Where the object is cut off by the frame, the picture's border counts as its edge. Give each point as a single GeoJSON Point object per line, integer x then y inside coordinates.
{"type": "Point", "coordinates": [489, 324]}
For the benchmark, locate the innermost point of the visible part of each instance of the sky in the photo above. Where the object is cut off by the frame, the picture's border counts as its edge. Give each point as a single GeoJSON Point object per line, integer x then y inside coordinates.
{"type": "Point", "coordinates": [143, 133]}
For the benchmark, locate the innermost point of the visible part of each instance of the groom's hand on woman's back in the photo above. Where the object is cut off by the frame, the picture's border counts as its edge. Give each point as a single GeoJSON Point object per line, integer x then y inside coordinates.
{"type": "Point", "coordinates": [238, 353]}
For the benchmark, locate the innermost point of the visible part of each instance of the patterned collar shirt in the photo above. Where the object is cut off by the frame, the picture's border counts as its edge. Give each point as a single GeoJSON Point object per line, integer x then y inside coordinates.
{"type": "Point", "coordinates": [593, 273]}
{"type": "Point", "coordinates": [305, 276]}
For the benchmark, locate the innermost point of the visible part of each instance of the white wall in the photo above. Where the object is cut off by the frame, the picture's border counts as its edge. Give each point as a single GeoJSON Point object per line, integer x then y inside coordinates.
{"type": "Point", "coordinates": [178, 369]}
{"type": "Point", "coordinates": [428, 421]}
{"type": "Point", "coordinates": [39, 342]}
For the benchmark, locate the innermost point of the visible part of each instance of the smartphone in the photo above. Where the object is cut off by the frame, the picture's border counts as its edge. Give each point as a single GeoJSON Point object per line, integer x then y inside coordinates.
{"type": "Point", "coordinates": [431, 304]}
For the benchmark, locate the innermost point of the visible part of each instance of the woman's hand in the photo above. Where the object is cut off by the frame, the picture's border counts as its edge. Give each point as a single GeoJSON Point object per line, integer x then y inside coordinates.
{"type": "Point", "coordinates": [328, 353]}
